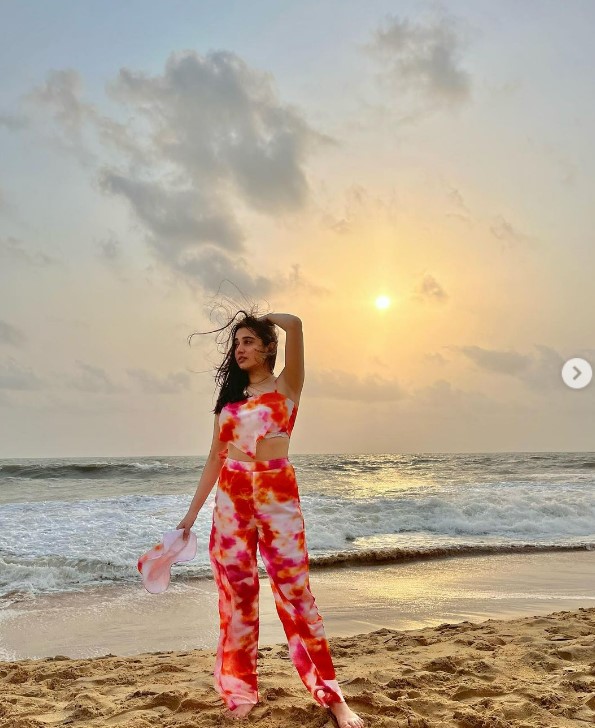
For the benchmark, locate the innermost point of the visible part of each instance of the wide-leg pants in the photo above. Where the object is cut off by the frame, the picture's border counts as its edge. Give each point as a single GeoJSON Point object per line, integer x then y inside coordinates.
{"type": "Point", "coordinates": [257, 502]}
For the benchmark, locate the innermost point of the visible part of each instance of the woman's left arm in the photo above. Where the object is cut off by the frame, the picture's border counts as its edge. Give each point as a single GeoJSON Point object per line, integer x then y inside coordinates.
{"type": "Point", "coordinates": [294, 371]}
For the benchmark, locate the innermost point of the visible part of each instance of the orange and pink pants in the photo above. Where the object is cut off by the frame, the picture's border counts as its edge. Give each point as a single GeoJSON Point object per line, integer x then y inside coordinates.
{"type": "Point", "coordinates": [257, 502]}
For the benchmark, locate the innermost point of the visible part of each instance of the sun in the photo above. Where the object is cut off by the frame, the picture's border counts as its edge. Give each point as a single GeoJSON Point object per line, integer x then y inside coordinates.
{"type": "Point", "coordinates": [382, 302]}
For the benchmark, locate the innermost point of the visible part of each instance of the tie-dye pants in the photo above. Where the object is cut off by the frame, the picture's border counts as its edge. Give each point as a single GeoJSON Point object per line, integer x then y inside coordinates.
{"type": "Point", "coordinates": [257, 502]}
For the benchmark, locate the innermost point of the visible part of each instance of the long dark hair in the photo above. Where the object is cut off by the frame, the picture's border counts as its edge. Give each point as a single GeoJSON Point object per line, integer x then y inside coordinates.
{"type": "Point", "coordinates": [232, 380]}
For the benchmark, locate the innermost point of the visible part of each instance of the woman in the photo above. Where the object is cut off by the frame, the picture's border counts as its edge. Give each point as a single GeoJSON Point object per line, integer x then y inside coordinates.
{"type": "Point", "coordinates": [257, 502]}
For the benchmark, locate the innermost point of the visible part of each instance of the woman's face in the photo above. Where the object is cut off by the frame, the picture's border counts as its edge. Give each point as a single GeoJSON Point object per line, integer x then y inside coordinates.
{"type": "Point", "coordinates": [247, 349]}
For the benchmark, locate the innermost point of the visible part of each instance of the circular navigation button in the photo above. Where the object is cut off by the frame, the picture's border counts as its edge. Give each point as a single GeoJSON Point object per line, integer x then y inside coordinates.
{"type": "Point", "coordinates": [577, 373]}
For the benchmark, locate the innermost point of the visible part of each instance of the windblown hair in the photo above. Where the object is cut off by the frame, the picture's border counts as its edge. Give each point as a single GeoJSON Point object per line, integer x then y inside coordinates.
{"type": "Point", "coordinates": [230, 378]}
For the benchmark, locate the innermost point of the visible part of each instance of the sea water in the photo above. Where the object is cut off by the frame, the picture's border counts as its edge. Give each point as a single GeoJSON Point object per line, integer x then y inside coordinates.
{"type": "Point", "coordinates": [70, 524]}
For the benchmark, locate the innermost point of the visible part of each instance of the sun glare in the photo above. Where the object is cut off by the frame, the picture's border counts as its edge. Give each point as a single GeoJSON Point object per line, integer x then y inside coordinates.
{"type": "Point", "coordinates": [382, 302]}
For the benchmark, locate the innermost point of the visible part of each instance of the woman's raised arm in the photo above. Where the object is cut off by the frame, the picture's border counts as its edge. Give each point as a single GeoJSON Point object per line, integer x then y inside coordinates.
{"type": "Point", "coordinates": [294, 371]}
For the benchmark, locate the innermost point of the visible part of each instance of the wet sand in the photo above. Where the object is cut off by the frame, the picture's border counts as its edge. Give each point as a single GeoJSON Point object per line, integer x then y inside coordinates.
{"type": "Point", "coordinates": [126, 620]}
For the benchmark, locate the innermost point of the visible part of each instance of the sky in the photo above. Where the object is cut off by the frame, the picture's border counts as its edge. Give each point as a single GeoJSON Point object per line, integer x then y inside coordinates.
{"type": "Point", "coordinates": [164, 163]}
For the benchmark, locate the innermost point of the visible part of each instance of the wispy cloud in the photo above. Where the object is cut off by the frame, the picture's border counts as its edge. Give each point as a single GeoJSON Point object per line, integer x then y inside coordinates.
{"type": "Point", "coordinates": [441, 396]}
{"type": "Point", "coordinates": [92, 379]}
{"type": "Point", "coordinates": [429, 289]}
{"type": "Point", "coordinates": [424, 58]}
{"type": "Point", "coordinates": [435, 357]}
{"type": "Point", "coordinates": [16, 376]}
{"type": "Point", "coordinates": [153, 384]}
{"type": "Point", "coordinates": [9, 334]}
{"type": "Point", "coordinates": [13, 122]}
{"type": "Point", "coordinates": [296, 280]}
{"type": "Point", "coordinates": [539, 371]}
{"type": "Point", "coordinates": [109, 249]}
{"type": "Point", "coordinates": [337, 384]}
{"type": "Point", "coordinates": [503, 362]}
{"type": "Point", "coordinates": [14, 250]}
{"type": "Point", "coordinates": [361, 208]}
{"type": "Point", "coordinates": [509, 236]}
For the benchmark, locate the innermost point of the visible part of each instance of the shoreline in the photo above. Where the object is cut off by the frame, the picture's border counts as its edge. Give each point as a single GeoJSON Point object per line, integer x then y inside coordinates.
{"type": "Point", "coordinates": [127, 620]}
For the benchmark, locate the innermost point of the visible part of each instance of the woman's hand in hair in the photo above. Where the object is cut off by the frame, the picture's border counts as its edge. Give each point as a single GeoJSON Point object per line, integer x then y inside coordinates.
{"type": "Point", "coordinates": [283, 320]}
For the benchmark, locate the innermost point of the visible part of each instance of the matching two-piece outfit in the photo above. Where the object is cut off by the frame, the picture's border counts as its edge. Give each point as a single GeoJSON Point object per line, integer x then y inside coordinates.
{"type": "Point", "coordinates": [257, 502]}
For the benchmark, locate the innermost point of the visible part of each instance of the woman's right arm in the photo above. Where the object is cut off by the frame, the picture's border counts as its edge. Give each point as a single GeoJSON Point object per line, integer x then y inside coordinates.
{"type": "Point", "coordinates": [207, 480]}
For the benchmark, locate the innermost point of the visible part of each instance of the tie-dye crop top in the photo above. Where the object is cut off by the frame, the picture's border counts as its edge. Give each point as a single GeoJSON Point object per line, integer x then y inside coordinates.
{"type": "Point", "coordinates": [245, 423]}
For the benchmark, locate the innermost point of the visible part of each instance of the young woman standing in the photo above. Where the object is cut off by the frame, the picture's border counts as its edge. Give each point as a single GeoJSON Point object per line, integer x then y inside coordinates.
{"type": "Point", "coordinates": [257, 504]}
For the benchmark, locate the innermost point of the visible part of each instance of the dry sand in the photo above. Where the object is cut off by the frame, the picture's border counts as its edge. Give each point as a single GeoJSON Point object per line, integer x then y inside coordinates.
{"type": "Point", "coordinates": [531, 671]}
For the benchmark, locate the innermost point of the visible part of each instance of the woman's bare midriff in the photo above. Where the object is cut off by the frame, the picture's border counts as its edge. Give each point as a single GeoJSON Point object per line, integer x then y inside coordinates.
{"type": "Point", "coordinates": [269, 449]}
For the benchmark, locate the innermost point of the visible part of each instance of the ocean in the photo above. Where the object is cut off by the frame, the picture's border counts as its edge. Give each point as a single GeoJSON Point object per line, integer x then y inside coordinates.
{"type": "Point", "coordinates": [70, 524]}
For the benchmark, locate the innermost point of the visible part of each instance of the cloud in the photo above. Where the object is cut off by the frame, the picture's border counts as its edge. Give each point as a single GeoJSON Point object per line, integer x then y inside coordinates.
{"type": "Point", "coordinates": [295, 280]}
{"type": "Point", "coordinates": [109, 250]}
{"type": "Point", "coordinates": [93, 379]}
{"type": "Point", "coordinates": [221, 122]}
{"type": "Point", "coordinates": [540, 371]}
{"type": "Point", "coordinates": [15, 376]}
{"type": "Point", "coordinates": [456, 197]}
{"type": "Point", "coordinates": [342, 226]}
{"type": "Point", "coordinates": [361, 209]}
{"type": "Point", "coordinates": [206, 136]}
{"type": "Point", "coordinates": [13, 122]}
{"type": "Point", "coordinates": [14, 250]}
{"type": "Point", "coordinates": [336, 384]}
{"type": "Point", "coordinates": [152, 384]}
{"type": "Point", "coordinates": [177, 220]}
{"type": "Point", "coordinates": [510, 237]}
{"type": "Point", "coordinates": [569, 173]}
{"type": "Point", "coordinates": [502, 362]}
{"type": "Point", "coordinates": [435, 357]}
{"type": "Point", "coordinates": [424, 58]}
{"type": "Point", "coordinates": [430, 289]}
{"type": "Point", "coordinates": [212, 268]}
{"type": "Point", "coordinates": [61, 95]}
{"type": "Point", "coordinates": [377, 361]}
{"type": "Point", "coordinates": [441, 396]}
{"type": "Point", "coordinates": [545, 370]}
{"type": "Point", "coordinates": [9, 334]}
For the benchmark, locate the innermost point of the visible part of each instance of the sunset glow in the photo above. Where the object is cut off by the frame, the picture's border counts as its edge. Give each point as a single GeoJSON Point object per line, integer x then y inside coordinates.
{"type": "Point", "coordinates": [360, 185]}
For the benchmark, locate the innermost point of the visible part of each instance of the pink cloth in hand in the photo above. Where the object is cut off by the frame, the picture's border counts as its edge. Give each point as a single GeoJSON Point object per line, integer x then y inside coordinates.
{"type": "Point", "coordinates": [155, 565]}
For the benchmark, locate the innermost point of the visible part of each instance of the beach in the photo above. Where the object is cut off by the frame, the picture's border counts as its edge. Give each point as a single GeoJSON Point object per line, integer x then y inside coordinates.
{"type": "Point", "coordinates": [296, 365]}
{"type": "Point", "coordinates": [456, 590]}
{"type": "Point", "coordinates": [418, 644]}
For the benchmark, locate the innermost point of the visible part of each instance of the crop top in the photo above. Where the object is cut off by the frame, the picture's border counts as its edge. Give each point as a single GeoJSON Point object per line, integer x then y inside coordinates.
{"type": "Point", "coordinates": [245, 423]}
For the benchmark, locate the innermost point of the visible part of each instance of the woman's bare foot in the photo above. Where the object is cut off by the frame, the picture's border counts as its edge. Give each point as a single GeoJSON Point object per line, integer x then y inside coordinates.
{"type": "Point", "coordinates": [345, 717]}
{"type": "Point", "coordinates": [240, 711]}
